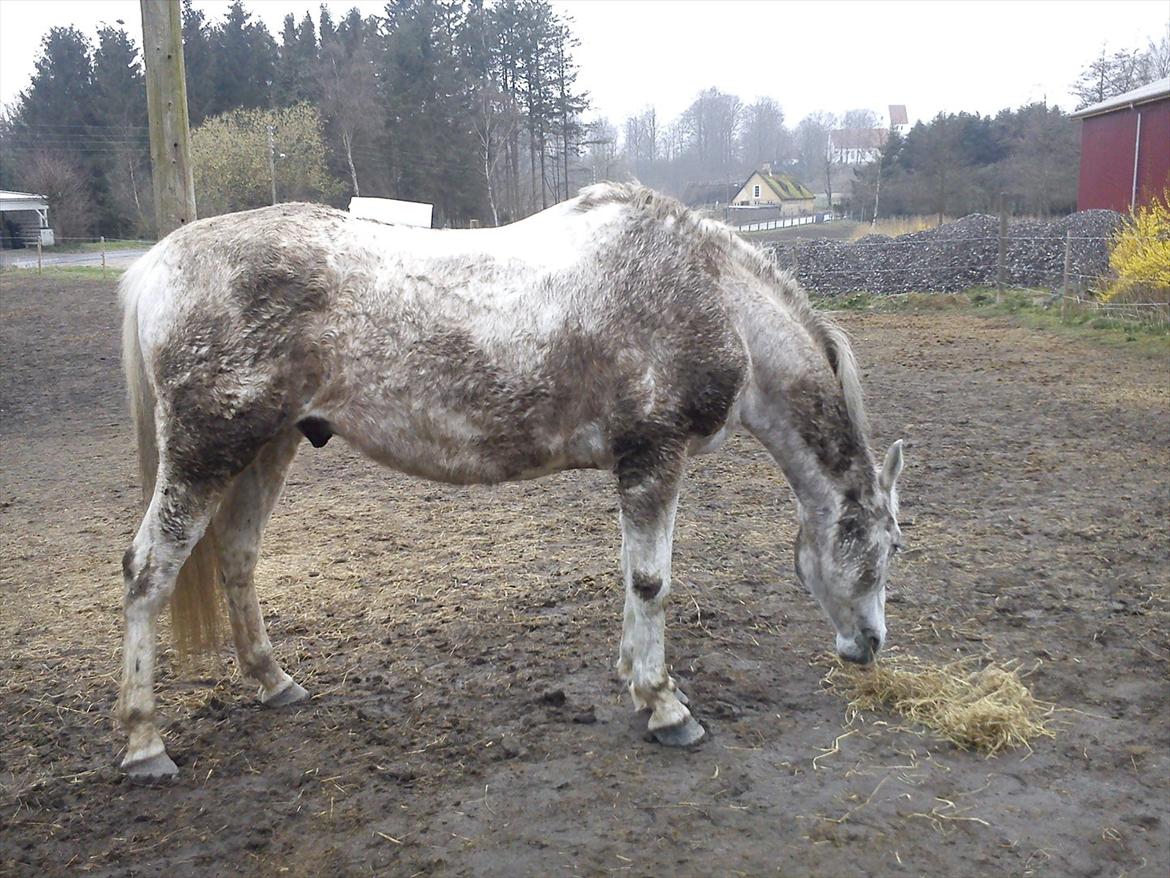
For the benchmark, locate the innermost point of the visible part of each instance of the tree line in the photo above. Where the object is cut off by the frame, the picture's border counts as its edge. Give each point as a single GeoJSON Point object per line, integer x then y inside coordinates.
{"type": "Point", "coordinates": [472, 107]}
{"type": "Point", "coordinates": [953, 164]}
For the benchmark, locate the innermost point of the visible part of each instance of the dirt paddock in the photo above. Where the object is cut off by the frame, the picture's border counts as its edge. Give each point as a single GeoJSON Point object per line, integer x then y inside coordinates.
{"type": "Point", "coordinates": [459, 643]}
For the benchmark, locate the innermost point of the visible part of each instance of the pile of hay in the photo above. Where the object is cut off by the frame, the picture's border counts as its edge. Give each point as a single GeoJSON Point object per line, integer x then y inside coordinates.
{"type": "Point", "coordinates": [984, 708]}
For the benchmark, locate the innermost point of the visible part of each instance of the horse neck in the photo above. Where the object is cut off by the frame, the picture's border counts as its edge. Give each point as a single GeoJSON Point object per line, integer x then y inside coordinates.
{"type": "Point", "coordinates": [796, 408]}
{"type": "Point", "coordinates": [824, 469]}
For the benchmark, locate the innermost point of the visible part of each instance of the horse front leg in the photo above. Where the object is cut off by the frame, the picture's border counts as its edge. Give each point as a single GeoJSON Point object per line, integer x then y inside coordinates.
{"type": "Point", "coordinates": [648, 507]}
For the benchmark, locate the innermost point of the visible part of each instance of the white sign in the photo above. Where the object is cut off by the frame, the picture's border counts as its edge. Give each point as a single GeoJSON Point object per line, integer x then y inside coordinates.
{"type": "Point", "coordinates": [390, 210]}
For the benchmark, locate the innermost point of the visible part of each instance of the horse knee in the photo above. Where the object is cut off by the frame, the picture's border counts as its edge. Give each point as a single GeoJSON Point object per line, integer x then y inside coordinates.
{"type": "Point", "coordinates": [136, 575]}
{"type": "Point", "coordinates": [649, 586]}
{"type": "Point", "coordinates": [147, 576]}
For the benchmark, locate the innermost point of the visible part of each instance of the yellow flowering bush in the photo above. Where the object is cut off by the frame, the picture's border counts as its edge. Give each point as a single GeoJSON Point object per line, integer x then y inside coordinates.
{"type": "Point", "coordinates": [1141, 254]}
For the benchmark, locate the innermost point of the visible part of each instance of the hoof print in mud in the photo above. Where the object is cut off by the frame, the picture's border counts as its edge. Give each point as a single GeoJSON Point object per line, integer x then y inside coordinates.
{"type": "Point", "coordinates": [683, 735]}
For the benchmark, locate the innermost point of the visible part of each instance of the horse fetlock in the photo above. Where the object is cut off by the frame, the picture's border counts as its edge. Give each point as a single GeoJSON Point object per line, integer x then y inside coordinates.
{"type": "Point", "coordinates": [262, 667]}
{"type": "Point", "coordinates": [663, 700]}
{"type": "Point", "coordinates": [640, 703]}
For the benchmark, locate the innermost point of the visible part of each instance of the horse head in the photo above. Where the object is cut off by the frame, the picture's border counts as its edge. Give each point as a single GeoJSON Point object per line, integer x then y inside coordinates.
{"type": "Point", "coordinates": [843, 554]}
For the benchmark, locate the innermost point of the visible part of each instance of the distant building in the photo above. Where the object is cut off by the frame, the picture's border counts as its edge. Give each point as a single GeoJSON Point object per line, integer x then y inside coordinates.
{"type": "Point", "coordinates": [781, 193]}
{"type": "Point", "coordinates": [24, 219]}
{"type": "Point", "coordinates": [899, 119]}
{"type": "Point", "coordinates": [1125, 148]}
{"type": "Point", "coordinates": [857, 146]}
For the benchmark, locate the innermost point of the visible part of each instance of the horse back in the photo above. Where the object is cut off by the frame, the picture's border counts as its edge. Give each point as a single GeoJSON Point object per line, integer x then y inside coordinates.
{"type": "Point", "coordinates": [474, 356]}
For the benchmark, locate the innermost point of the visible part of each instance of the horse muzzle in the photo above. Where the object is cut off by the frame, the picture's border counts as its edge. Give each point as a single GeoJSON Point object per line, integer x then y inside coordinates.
{"type": "Point", "coordinates": [862, 649]}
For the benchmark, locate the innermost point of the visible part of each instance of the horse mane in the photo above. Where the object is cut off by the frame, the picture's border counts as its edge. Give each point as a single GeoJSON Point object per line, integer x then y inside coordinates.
{"type": "Point", "coordinates": [832, 340]}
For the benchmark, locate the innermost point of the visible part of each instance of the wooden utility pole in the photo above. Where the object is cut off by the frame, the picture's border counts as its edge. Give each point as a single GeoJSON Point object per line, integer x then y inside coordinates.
{"type": "Point", "coordinates": [272, 160]}
{"type": "Point", "coordinates": [166, 103]}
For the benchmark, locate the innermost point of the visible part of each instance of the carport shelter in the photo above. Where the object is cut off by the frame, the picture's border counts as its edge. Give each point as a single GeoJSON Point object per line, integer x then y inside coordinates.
{"type": "Point", "coordinates": [24, 218]}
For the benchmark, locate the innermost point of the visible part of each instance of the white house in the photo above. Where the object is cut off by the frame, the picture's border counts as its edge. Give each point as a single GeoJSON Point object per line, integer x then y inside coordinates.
{"type": "Point", "coordinates": [29, 213]}
{"type": "Point", "coordinates": [856, 146]}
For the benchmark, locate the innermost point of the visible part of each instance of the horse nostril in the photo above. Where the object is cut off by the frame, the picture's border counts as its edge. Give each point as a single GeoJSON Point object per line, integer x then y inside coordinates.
{"type": "Point", "coordinates": [871, 640]}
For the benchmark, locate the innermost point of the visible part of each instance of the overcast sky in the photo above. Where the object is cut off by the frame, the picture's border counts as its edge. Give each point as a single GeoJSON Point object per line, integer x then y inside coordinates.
{"type": "Point", "coordinates": [931, 56]}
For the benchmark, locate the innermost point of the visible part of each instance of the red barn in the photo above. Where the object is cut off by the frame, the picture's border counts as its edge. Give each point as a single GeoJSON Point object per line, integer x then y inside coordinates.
{"type": "Point", "coordinates": [1125, 148]}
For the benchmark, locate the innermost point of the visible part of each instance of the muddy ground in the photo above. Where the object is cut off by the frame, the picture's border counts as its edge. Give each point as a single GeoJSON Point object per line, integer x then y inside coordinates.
{"type": "Point", "coordinates": [459, 643]}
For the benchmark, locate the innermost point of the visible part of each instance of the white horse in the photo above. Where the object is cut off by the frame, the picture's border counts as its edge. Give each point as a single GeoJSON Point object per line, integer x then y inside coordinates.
{"type": "Point", "coordinates": [617, 330]}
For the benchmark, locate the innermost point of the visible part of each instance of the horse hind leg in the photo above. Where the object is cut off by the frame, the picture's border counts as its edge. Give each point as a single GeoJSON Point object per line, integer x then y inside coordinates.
{"type": "Point", "coordinates": [239, 525]}
{"type": "Point", "coordinates": [648, 504]}
{"type": "Point", "coordinates": [174, 522]}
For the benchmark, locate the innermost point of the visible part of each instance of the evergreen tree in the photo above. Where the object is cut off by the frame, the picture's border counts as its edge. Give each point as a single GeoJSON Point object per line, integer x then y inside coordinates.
{"type": "Point", "coordinates": [59, 96]}
{"type": "Point", "coordinates": [296, 72]}
{"type": "Point", "coordinates": [121, 179]}
{"type": "Point", "coordinates": [244, 61]}
{"type": "Point", "coordinates": [198, 59]}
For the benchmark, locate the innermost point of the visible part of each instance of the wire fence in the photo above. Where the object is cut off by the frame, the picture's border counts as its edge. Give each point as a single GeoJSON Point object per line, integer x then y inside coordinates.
{"type": "Point", "coordinates": [1073, 267]}
{"type": "Point", "coordinates": [94, 251]}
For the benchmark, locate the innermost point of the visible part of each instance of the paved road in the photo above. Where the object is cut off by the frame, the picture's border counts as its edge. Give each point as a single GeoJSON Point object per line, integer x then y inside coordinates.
{"type": "Point", "coordinates": [28, 258]}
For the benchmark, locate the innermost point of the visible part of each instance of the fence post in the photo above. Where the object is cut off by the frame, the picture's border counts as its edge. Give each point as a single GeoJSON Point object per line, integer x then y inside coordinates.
{"type": "Point", "coordinates": [38, 257]}
{"type": "Point", "coordinates": [1064, 279]}
{"type": "Point", "coordinates": [103, 253]}
{"type": "Point", "coordinates": [1001, 259]}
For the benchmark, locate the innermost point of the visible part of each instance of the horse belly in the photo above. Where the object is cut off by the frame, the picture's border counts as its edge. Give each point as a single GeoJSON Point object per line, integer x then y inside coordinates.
{"type": "Point", "coordinates": [449, 446]}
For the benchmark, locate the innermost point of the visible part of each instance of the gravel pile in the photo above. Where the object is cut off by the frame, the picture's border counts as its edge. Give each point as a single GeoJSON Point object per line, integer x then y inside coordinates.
{"type": "Point", "coordinates": [956, 256]}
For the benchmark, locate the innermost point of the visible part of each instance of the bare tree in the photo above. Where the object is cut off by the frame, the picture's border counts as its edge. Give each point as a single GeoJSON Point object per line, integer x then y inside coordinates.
{"type": "Point", "coordinates": [348, 98]}
{"type": "Point", "coordinates": [495, 121]}
{"type": "Point", "coordinates": [602, 160]}
{"type": "Point", "coordinates": [1124, 70]}
{"type": "Point", "coordinates": [64, 184]}
{"type": "Point", "coordinates": [812, 145]}
{"type": "Point", "coordinates": [764, 138]}
{"type": "Point", "coordinates": [641, 142]}
{"type": "Point", "coordinates": [1157, 58]}
{"type": "Point", "coordinates": [859, 120]}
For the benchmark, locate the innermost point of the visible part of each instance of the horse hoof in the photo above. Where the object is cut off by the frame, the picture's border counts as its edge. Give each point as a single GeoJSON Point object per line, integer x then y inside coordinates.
{"type": "Point", "coordinates": [159, 767]}
{"type": "Point", "coordinates": [683, 735]}
{"type": "Point", "coordinates": [290, 694]}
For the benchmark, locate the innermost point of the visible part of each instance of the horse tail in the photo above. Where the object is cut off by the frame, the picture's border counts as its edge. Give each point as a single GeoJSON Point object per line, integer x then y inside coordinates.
{"type": "Point", "coordinates": [197, 602]}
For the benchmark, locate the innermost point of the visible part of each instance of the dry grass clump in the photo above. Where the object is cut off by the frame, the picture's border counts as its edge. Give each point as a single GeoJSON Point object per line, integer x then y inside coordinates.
{"type": "Point", "coordinates": [895, 226]}
{"type": "Point", "coordinates": [986, 708]}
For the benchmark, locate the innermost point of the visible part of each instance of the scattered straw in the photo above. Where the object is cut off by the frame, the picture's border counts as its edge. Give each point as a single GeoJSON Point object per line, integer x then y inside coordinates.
{"type": "Point", "coordinates": [984, 708]}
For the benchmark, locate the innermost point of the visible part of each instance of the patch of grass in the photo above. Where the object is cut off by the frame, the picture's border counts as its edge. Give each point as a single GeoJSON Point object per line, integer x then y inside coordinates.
{"type": "Point", "coordinates": [1034, 309]}
{"type": "Point", "coordinates": [93, 272]}
{"type": "Point", "coordinates": [96, 246]}
{"type": "Point", "coordinates": [897, 225]}
{"type": "Point", "coordinates": [838, 230]}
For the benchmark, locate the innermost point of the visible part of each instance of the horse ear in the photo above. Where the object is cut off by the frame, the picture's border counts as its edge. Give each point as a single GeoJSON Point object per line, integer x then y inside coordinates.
{"type": "Point", "coordinates": [892, 468]}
